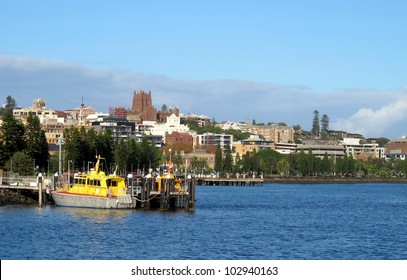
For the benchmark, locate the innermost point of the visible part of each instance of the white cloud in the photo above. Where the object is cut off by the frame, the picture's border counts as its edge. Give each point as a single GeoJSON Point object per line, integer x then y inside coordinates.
{"type": "Point", "coordinates": [370, 122]}
{"type": "Point", "coordinates": [63, 84]}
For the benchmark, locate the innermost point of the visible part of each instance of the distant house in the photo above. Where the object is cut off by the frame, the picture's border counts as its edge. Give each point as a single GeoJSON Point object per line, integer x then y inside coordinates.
{"type": "Point", "coordinates": [119, 127]}
{"type": "Point", "coordinates": [362, 151]}
{"type": "Point", "coordinates": [178, 141]}
{"type": "Point", "coordinates": [201, 120]}
{"type": "Point", "coordinates": [252, 144]}
{"type": "Point", "coordinates": [275, 133]}
{"type": "Point", "coordinates": [211, 139]}
{"type": "Point", "coordinates": [321, 147]}
{"type": "Point", "coordinates": [397, 149]}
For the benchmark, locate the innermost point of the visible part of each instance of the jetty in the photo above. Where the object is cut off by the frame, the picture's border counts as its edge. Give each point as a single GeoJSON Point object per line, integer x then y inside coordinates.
{"type": "Point", "coordinates": [25, 189]}
{"type": "Point", "coordinates": [231, 181]}
{"type": "Point", "coordinates": [163, 192]}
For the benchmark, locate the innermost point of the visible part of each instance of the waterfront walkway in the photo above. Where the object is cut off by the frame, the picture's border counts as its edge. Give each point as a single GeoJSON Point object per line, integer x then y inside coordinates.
{"type": "Point", "coordinates": [230, 181]}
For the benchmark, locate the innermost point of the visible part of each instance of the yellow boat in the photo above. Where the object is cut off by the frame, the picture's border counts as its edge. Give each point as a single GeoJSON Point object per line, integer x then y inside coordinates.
{"type": "Point", "coordinates": [95, 189]}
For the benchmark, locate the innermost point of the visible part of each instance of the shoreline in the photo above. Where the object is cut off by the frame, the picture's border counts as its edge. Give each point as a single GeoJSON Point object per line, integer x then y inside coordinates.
{"type": "Point", "coordinates": [10, 197]}
{"type": "Point", "coordinates": [322, 180]}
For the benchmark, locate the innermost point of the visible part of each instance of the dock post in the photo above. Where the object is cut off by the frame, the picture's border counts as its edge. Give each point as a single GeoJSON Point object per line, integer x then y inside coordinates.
{"type": "Point", "coordinates": [39, 183]}
{"type": "Point", "coordinates": [191, 192]}
{"type": "Point", "coordinates": [147, 193]}
{"type": "Point", "coordinates": [162, 193]}
{"type": "Point", "coordinates": [144, 185]}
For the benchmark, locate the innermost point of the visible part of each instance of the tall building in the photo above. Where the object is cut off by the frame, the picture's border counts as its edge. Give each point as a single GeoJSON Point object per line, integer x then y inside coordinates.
{"type": "Point", "coordinates": [143, 106]}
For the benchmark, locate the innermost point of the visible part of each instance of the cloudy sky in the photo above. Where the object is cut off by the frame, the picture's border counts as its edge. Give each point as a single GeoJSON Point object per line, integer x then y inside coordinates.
{"type": "Point", "coordinates": [272, 61]}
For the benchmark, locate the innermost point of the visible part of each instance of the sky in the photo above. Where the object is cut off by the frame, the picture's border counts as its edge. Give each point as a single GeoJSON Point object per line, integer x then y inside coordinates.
{"type": "Point", "coordinates": [269, 61]}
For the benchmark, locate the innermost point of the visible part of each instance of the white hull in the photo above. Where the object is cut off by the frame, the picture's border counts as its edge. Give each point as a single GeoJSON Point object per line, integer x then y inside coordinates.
{"type": "Point", "coordinates": [87, 201]}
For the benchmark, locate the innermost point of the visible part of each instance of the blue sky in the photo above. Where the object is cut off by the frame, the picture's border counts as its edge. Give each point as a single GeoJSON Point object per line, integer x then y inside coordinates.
{"type": "Point", "coordinates": [273, 61]}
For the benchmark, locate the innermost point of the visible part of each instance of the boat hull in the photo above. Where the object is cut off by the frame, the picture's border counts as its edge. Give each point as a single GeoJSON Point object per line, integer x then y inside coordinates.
{"type": "Point", "coordinates": [66, 199]}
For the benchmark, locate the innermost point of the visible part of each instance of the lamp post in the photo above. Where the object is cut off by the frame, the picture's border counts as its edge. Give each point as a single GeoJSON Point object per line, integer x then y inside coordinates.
{"type": "Point", "coordinates": [60, 142]}
{"type": "Point", "coordinates": [88, 164]}
{"type": "Point", "coordinates": [69, 172]}
{"type": "Point", "coordinates": [39, 185]}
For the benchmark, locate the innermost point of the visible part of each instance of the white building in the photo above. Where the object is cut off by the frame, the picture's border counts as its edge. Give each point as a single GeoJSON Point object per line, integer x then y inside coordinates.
{"type": "Point", "coordinates": [173, 124]}
{"type": "Point", "coordinates": [362, 151]}
{"type": "Point", "coordinates": [215, 139]}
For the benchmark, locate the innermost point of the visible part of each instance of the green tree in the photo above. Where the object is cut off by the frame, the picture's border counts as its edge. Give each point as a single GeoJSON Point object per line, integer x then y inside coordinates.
{"type": "Point", "coordinates": [382, 141]}
{"type": "Point", "coordinates": [315, 124]}
{"type": "Point", "coordinates": [310, 163]}
{"type": "Point", "coordinates": [9, 106]}
{"type": "Point", "coordinates": [178, 161]}
{"type": "Point", "coordinates": [351, 165]}
{"type": "Point", "coordinates": [302, 163]}
{"type": "Point", "coordinates": [150, 155]}
{"type": "Point", "coordinates": [283, 166]}
{"type": "Point", "coordinates": [266, 160]}
{"type": "Point", "coordinates": [218, 159]}
{"type": "Point", "coordinates": [198, 165]}
{"type": "Point", "coordinates": [105, 146]}
{"type": "Point", "coordinates": [324, 126]}
{"type": "Point", "coordinates": [228, 160]}
{"type": "Point", "coordinates": [326, 165]}
{"type": "Point", "coordinates": [36, 142]}
{"type": "Point", "coordinates": [401, 168]}
{"type": "Point", "coordinates": [74, 147]}
{"type": "Point", "coordinates": [21, 163]}
{"type": "Point", "coordinates": [121, 155]}
{"type": "Point", "coordinates": [338, 166]}
{"type": "Point", "coordinates": [297, 128]}
{"type": "Point", "coordinates": [11, 138]}
{"type": "Point", "coordinates": [133, 159]}
{"type": "Point", "coordinates": [247, 162]}
{"type": "Point", "coordinates": [324, 122]}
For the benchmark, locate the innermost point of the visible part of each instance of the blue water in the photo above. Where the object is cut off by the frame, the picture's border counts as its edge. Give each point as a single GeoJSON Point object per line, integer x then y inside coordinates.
{"type": "Point", "coordinates": [360, 221]}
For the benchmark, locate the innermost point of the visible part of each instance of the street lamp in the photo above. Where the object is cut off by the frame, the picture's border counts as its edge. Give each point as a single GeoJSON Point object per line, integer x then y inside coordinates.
{"type": "Point", "coordinates": [88, 164]}
{"type": "Point", "coordinates": [60, 143]}
{"type": "Point", "coordinates": [69, 172]}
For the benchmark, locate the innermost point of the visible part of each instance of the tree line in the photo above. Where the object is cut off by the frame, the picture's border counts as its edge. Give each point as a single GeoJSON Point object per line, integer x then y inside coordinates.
{"type": "Point", "coordinates": [271, 163]}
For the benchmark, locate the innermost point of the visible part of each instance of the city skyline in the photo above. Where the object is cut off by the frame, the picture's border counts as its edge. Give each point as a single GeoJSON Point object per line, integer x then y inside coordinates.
{"type": "Point", "coordinates": [263, 60]}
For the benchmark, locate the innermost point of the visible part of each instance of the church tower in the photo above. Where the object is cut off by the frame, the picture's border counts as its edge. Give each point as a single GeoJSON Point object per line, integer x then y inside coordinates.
{"type": "Point", "coordinates": [142, 106]}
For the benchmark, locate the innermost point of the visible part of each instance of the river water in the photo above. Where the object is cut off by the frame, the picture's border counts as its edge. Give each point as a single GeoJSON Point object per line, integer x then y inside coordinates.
{"type": "Point", "coordinates": [287, 222]}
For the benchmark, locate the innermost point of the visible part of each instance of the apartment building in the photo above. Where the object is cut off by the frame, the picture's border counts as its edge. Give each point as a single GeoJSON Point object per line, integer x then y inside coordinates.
{"type": "Point", "coordinates": [362, 151]}
{"type": "Point", "coordinates": [212, 139]}
{"type": "Point", "coordinates": [396, 149]}
{"type": "Point", "coordinates": [275, 133]}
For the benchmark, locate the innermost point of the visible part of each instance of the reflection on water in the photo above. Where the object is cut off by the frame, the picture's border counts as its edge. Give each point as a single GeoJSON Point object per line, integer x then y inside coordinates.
{"type": "Point", "coordinates": [272, 222]}
{"type": "Point", "coordinates": [95, 215]}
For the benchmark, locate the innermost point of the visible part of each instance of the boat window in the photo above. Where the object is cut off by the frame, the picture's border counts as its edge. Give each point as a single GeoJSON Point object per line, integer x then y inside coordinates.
{"type": "Point", "coordinates": [97, 182]}
{"type": "Point", "coordinates": [108, 182]}
{"type": "Point", "coordinates": [91, 183]}
{"type": "Point", "coordinates": [76, 180]}
{"type": "Point", "coordinates": [114, 183]}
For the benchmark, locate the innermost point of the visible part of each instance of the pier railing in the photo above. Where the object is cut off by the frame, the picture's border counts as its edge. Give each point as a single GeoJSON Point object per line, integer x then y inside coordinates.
{"type": "Point", "coordinates": [24, 182]}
